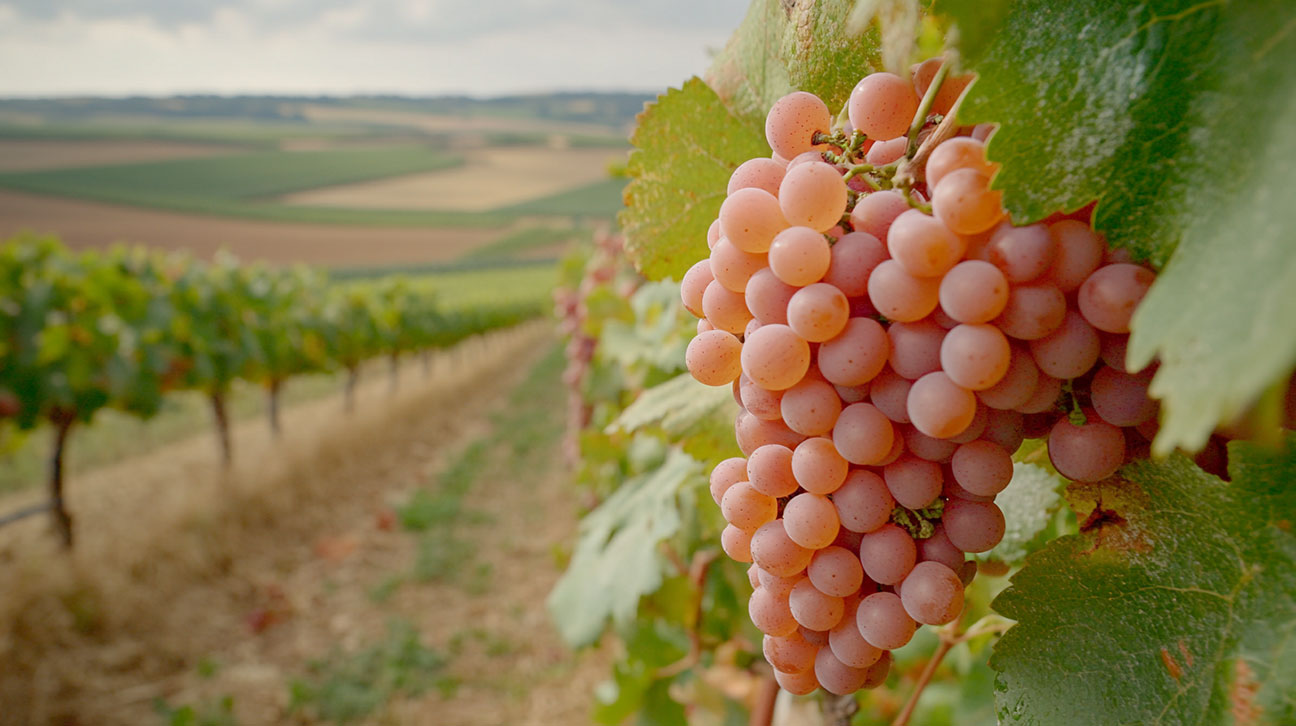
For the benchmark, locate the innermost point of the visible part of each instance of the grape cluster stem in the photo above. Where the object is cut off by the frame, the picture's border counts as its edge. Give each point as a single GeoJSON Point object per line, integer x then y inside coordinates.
{"type": "Point", "coordinates": [950, 636]}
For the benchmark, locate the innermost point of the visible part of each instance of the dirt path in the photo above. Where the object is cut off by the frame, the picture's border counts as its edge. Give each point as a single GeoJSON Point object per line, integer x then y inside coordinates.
{"type": "Point", "coordinates": [289, 591]}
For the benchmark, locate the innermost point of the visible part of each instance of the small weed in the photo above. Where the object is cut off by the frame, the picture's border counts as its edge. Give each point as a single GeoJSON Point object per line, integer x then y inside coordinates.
{"type": "Point", "coordinates": [345, 688]}
{"type": "Point", "coordinates": [210, 713]}
{"type": "Point", "coordinates": [208, 667]}
{"type": "Point", "coordinates": [383, 591]}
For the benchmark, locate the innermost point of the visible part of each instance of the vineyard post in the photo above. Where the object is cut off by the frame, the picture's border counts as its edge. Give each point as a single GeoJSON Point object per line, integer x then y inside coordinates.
{"type": "Point", "coordinates": [395, 371]}
{"type": "Point", "coordinates": [62, 421]}
{"type": "Point", "coordinates": [348, 396]}
{"type": "Point", "coordinates": [272, 408]}
{"type": "Point", "coordinates": [425, 356]}
{"type": "Point", "coordinates": [221, 416]}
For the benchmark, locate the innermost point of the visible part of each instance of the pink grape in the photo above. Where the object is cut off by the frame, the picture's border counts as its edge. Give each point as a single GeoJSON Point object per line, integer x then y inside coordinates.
{"type": "Point", "coordinates": [1044, 397]}
{"type": "Point", "coordinates": [973, 526]}
{"type": "Point", "coordinates": [982, 467]}
{"type": "Point", "coordinates": [1068, 352]}
{"type": "Point", "coordinates": [889, 391]}
{"type": "Point", "coordinates": [813, 195]}
{"type": "Point", "coordinates": [746, 508]}
{"type": "Point", "coordinates": [1079, 252]}
{"type": "Point", "coordinates": [863, 435]}
{"type": "Point", "coordinates": [1033, 311]}
{"type": "Point", "coordinates": [771, 614]}
{"type": "Point", "coordinates": [769, 469]}
{"type": "Point", "coordinates": [804, 157]}
{"type": "Point", "coordinates": [913, 482]}
{"type": "Point", "coordinates": [765, 174]}
{"type": "Point", "coordinates": [965, 203]}
{"type": "Point", "coordinates": [726, 474]}
{"type": "Point", "coordinates": [1109, 296]}
{"type": "Point", "coordinates": [938, 548]}
{"type": "Point", "coordinates": [818, 638]}
{"type": "Point", "coordinates": [949, 92]}
{"type": "Point", "coordinates": [811, 407]}
{"type": "Point", "coordinates": [885, 152]}
{"type": "Point", "coordinates": [1091, 452]}
{"type": "Point", "coordinates": [925, 447]}
{"type": "Point", "coordinates": [887, 554]}
{"type": "Point", "coordinates": [837, 677]}
{"type": "Point", "coordinates": [863, 502]}
{"type": "Point", "coordinates": [776, 553]}
{"type": "Point", "coordinates": [974, 429]}
{"type": "Point", "coordinates": [818, 312]}
{"type": "Point", "coordinates": [753, 433]}
{"type": "Point", "coordinates": [725, 309]}
{"type": "Point", "coordinates": [1017, 385]}
{"type": "Point", "coordinates": [836, 571]}
{"type": "Point", "coordinates": [882, 105]}
{"type": "Point", "coordinates": [750, 218]}
{"type": "Point", "coordinates": [713, 358]}
{"type": "Point", "coordinates": [790, 654]}
{"type": "Point", "coordinates": [1121, 399]}
{"type": "Point", "coordinates": [848, 645]}
{"type": "Point", "coordinates": [883, 622]}
{"type": "Point", "coordinates": [1023, 254]}
{"type": "Point", "coordinates": [732, 267]}
{"type": "Point", "coordinates": [923, 245]}
{"type": "Point", "coordinates": [973, 291]}
{"type": "Point", "coordinates": [775, 357]}
{"type": "Point", "coordinates": [736, 544]}
{"type": "Point", "coordinates": [813, 609]}
{"type": "Point", "coordinates": [957, 153]}
{"type": "Point", "coordinates": [767, 297]}
{"type": "Point", "coordinates": [975, 356]}
{"type": "Point", "coordinates": [875, 212]}
{"type": "Point", "coordinates": [713, 233]}
{"type": "Point", "coordinates": [901, 296]}
{"type": "Point", "coordinates": [817, 466]}
{"type": "Point", "coordinates": [853, 258]}
{"type": "Point", "coordinates": [693, 284]}
{"type": "Point", "coordinates": [1005, 429]}
{"type": "Point", "coordinates": [851, 394]}
{"type": "Point", "coordinates": [793, 121]}
{"type": "Point", "coordinates": [856, 355]}
{"type": "Point", "coordinates": [915, 348]}
{"type": "Point", "coordinates": [932, 594]}
{"type": "Point", "coordinates": [939, 407]}
{"type": "Point", "coordinates": [780, 586]}
{"type": "Point", "coordinates": [798, 684]}
{"type": "Point", "coordinates": [704, 325]}
{"type": "Point", "coordinates": [811, 521]}
{"type": "Point", "coordinates": [799, 256]}
{"type": "Point", "coordinates": [761, 403]}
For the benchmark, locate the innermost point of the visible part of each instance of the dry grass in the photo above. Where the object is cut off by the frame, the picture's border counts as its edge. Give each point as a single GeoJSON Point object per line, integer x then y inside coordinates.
{"type": "Point", "coordinates": [491, 178]}
{"type": "Point", "coordinates": [33, 154]}
{"type": "Point", "coordinates": [174, 556]}
{"type": "Point", "coordinates": [91, 224]}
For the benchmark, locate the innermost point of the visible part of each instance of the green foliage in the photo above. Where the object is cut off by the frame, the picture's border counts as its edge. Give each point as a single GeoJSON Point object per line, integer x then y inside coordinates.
{"type": "Point", "coordinates": [783, 47]}
{"type": "Point", "coordinates": [345, 688]}
{"type": "Point", "coordinates": [617, 560]}
{"type": "Point", "coordinates": [1175, 604]}
{"type": "Point", "coordinates": [678, 406]}
{"type": "Point", "coordinates": [1136, 117]}
{"type": "Point", "coordinates": [1031, 505]}
{"type": "Point", "coordinates": [687, 146]}
{"type": "Point", "coordinates": [217, 713]}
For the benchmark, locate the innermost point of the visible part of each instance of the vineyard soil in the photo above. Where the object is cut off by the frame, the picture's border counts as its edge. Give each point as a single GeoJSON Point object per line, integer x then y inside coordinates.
{"type": "Point", "coordinates": [188, 586]}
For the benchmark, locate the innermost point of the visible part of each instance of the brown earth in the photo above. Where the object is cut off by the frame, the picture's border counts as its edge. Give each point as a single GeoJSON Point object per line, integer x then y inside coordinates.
{"type": "Point", "coordinates": [30, 155]}
{"type": "Point", "coordinates": [490, 178]}
{"type": "Point", "coordinates": [177, 561]}
{"type": "Point", "coordinates": [91, 224]}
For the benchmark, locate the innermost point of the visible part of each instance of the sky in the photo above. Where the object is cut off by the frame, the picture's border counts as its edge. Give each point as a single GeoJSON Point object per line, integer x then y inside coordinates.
{"type": "Point", "coordinates": [413, 47]}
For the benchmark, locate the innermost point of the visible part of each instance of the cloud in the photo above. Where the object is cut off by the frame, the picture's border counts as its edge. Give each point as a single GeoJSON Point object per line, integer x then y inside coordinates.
{"type": "Point", "coordinates": [478, 47]}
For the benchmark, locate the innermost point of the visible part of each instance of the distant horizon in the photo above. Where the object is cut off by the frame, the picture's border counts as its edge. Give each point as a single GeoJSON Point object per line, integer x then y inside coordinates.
{"type": "Point", "coordinates": [358, 94]}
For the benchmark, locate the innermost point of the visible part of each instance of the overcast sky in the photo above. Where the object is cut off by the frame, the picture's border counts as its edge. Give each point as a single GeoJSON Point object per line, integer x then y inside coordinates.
{"type": "Point", "coordinates": [422, 47]}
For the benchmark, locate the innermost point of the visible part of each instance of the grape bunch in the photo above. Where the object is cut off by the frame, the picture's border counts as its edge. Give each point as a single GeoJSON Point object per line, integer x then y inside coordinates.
{"type": "Point", "coordinates": [892, 338]}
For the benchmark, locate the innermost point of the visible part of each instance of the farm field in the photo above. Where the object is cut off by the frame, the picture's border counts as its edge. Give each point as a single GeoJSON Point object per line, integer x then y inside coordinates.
{"type": "Point", "coordinates": [489, 178]}
{"type": "Point", "coordinates": [35, 154]}
{"type": "Point", "coordinates": [382, 567]}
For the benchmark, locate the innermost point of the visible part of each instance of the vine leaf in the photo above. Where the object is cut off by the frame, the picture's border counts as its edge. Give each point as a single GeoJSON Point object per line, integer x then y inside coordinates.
{"type": "Point", "coordinates": [1176, 117]}
{"type": "Point", "coordinates": [1030, 504]}
{"type": "Point", "coordinates": [1176, 603]}
{"type": "Point", "coordinates": [687, 146]}
{"type": "Point", "coordinates": [657, 333]}
{"type": "Point", "coordinates": [617, 559]}
{"type": "Point", "coordinates": [792, 46]}
{"type": "Point", "coordinates": [678, 406]}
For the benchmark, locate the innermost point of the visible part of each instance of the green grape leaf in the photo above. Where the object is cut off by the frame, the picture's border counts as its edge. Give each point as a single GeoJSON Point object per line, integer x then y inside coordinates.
{"type": "Point", "coordinates": [1029, 503]}
{"type": "Point", "coordinates": [657, 334]}
{"type": "Point", "coordinates": [783, 47]}
{"type": "Point", "coordinates": [677, 406]}
{"type": "Point", "coordinates": [1175, 604]}
{"type": "Point", "coordinates": [686, 147]}
{"type": "Point", "coordinates": [617, 559]}
{"type": "Point", "coordinates": [1176, 117]}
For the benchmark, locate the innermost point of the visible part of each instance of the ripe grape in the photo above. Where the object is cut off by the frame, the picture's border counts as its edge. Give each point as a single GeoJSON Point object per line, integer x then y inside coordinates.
{"type": "Point", "coordinates": [954, 154]}
{"type": "Point", "coordinates": [915, 348]}
{"type": "Point", "coordinates": [975, 356]}
{"type": "Point", "coordinates": [913, 482]}
{"type": "Point", "coordinates": [769, 469]}
{"type": "Point", "coordinates": [863, 435]}
{"type": "Point", "coordinates": [811, 407]}
{"type": "Point", "coordinates": [932, 594]}
{"type": "Point", "coordinates": [1004, 428]}
{"type": "Point", "coordinates": [939, 407]}
{"type": "Point", "coordinates": [836, 571]}
{"type": "Point", "coordinates": [1033, 311]}
{"type": "Point", "coordinates": [972, 526]}
{"type": "Point", "coordinates": [811, 521]}
{"type": "Point", "coordinates": [938, 548]}
{"type": "Point", "coordinates": [725, 309]}
{"type": "Point", "coordinates": [1068, 352]}
{"type": "Point", "coordinates": [767, 297]}
{"type": "Point", "coordinates": [757, 173]}
{"type": "Point", "coordinates": [856, 355]}
{"type": "Point", "coordinates": [982, 467]}
{"type": "Point", "coordinates": [1079, 252]}
{"type": "Point", "coordinates": [799, 256]}
{"type": "Point", "coordinates": [1017, 385]}
{"type": "Point", "coordinates": [947, 94]}
{"type": "Point", "coordinates": [882, 105]}
{"type": "Point", "coordinates": [798, 684]}
{"type": "Point", "coordinates": [759, 402]}
{"type": "Point", "coordinates": [926, 447]}
{"type": "Point", "coordinates": [813, 609]}
{"type": "Point", "coordinates": [848, 645]}
{"type": "Point", "coordinates": [965, 203]}
{"type": "Point", "coordinates": [746, 508]}
{"type": "Point", "coordinates": [974, 291]}
{"type": "Point", "coordinates": [736, 543]}
{"type": "Point", "coordinates": [776, 553]}
{"type": "Point", "coordinates": [793, 121]}
{"type": "Point", "coordinates": [693, 284]}
{"type": "Point", "coordinates": [732, 267]}
{"type": "Point", "coordinates": [885, 152]}
{"type": "Point", "coordinates": [813, 195]}
{"type": "Point", "coordinates": [863, 502]}
{"type": "Point", "coordinates": [1108, 297]}
{"type": "Point", "coordinates": [883, 622]}
{"type": "Point", "coordinates": [1044, 397]}
{"type": "Point", "coordinates": [775, 357]}
{"type": "Point", "coordinates": [818, 312]}
{"type": "Point", "coordinates": [817, 466]}
{"type": "Point", "coordinates": [1022, 253]}
{"type": "Point", "coordinates": [852, 259]}
{"type": "Point", "coordinates": [889, 391]}
{"type": "Point", "coordinates": [750, 218]}
{"type": "Point", "coordinates": [874, 213]}
{"type": "Point", "coordinates": [923, 245]}
{"type": "Point", "coordinates": [1121, 399]}
{"type": "Point", "coordinates": [835, 676]}
{"type": "Point", "coordinates": [726, 474]}
{"type": "Point", "coordinates": [771, 613]}
{"type": "Point", "coordinates": [1091, 452]}
{"type": "Point", "coordinates": [901, 296]}
{"type": "Point", "coordinates": [887, 554]}
{"type": "Point", "coordinates": [753, 433]}
{"type": "Point", "coordinates": [790, 653]}
{"type": "Point", "coordinates": [714, 357]}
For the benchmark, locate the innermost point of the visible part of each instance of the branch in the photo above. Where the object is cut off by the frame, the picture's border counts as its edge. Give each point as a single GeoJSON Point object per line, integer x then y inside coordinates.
{"type": "Point", "coordinates": [697, 573]}
{"type": "Point", "coordinates": [950, 636]}
{"type": "Point", "coordinates": [924, 108]}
